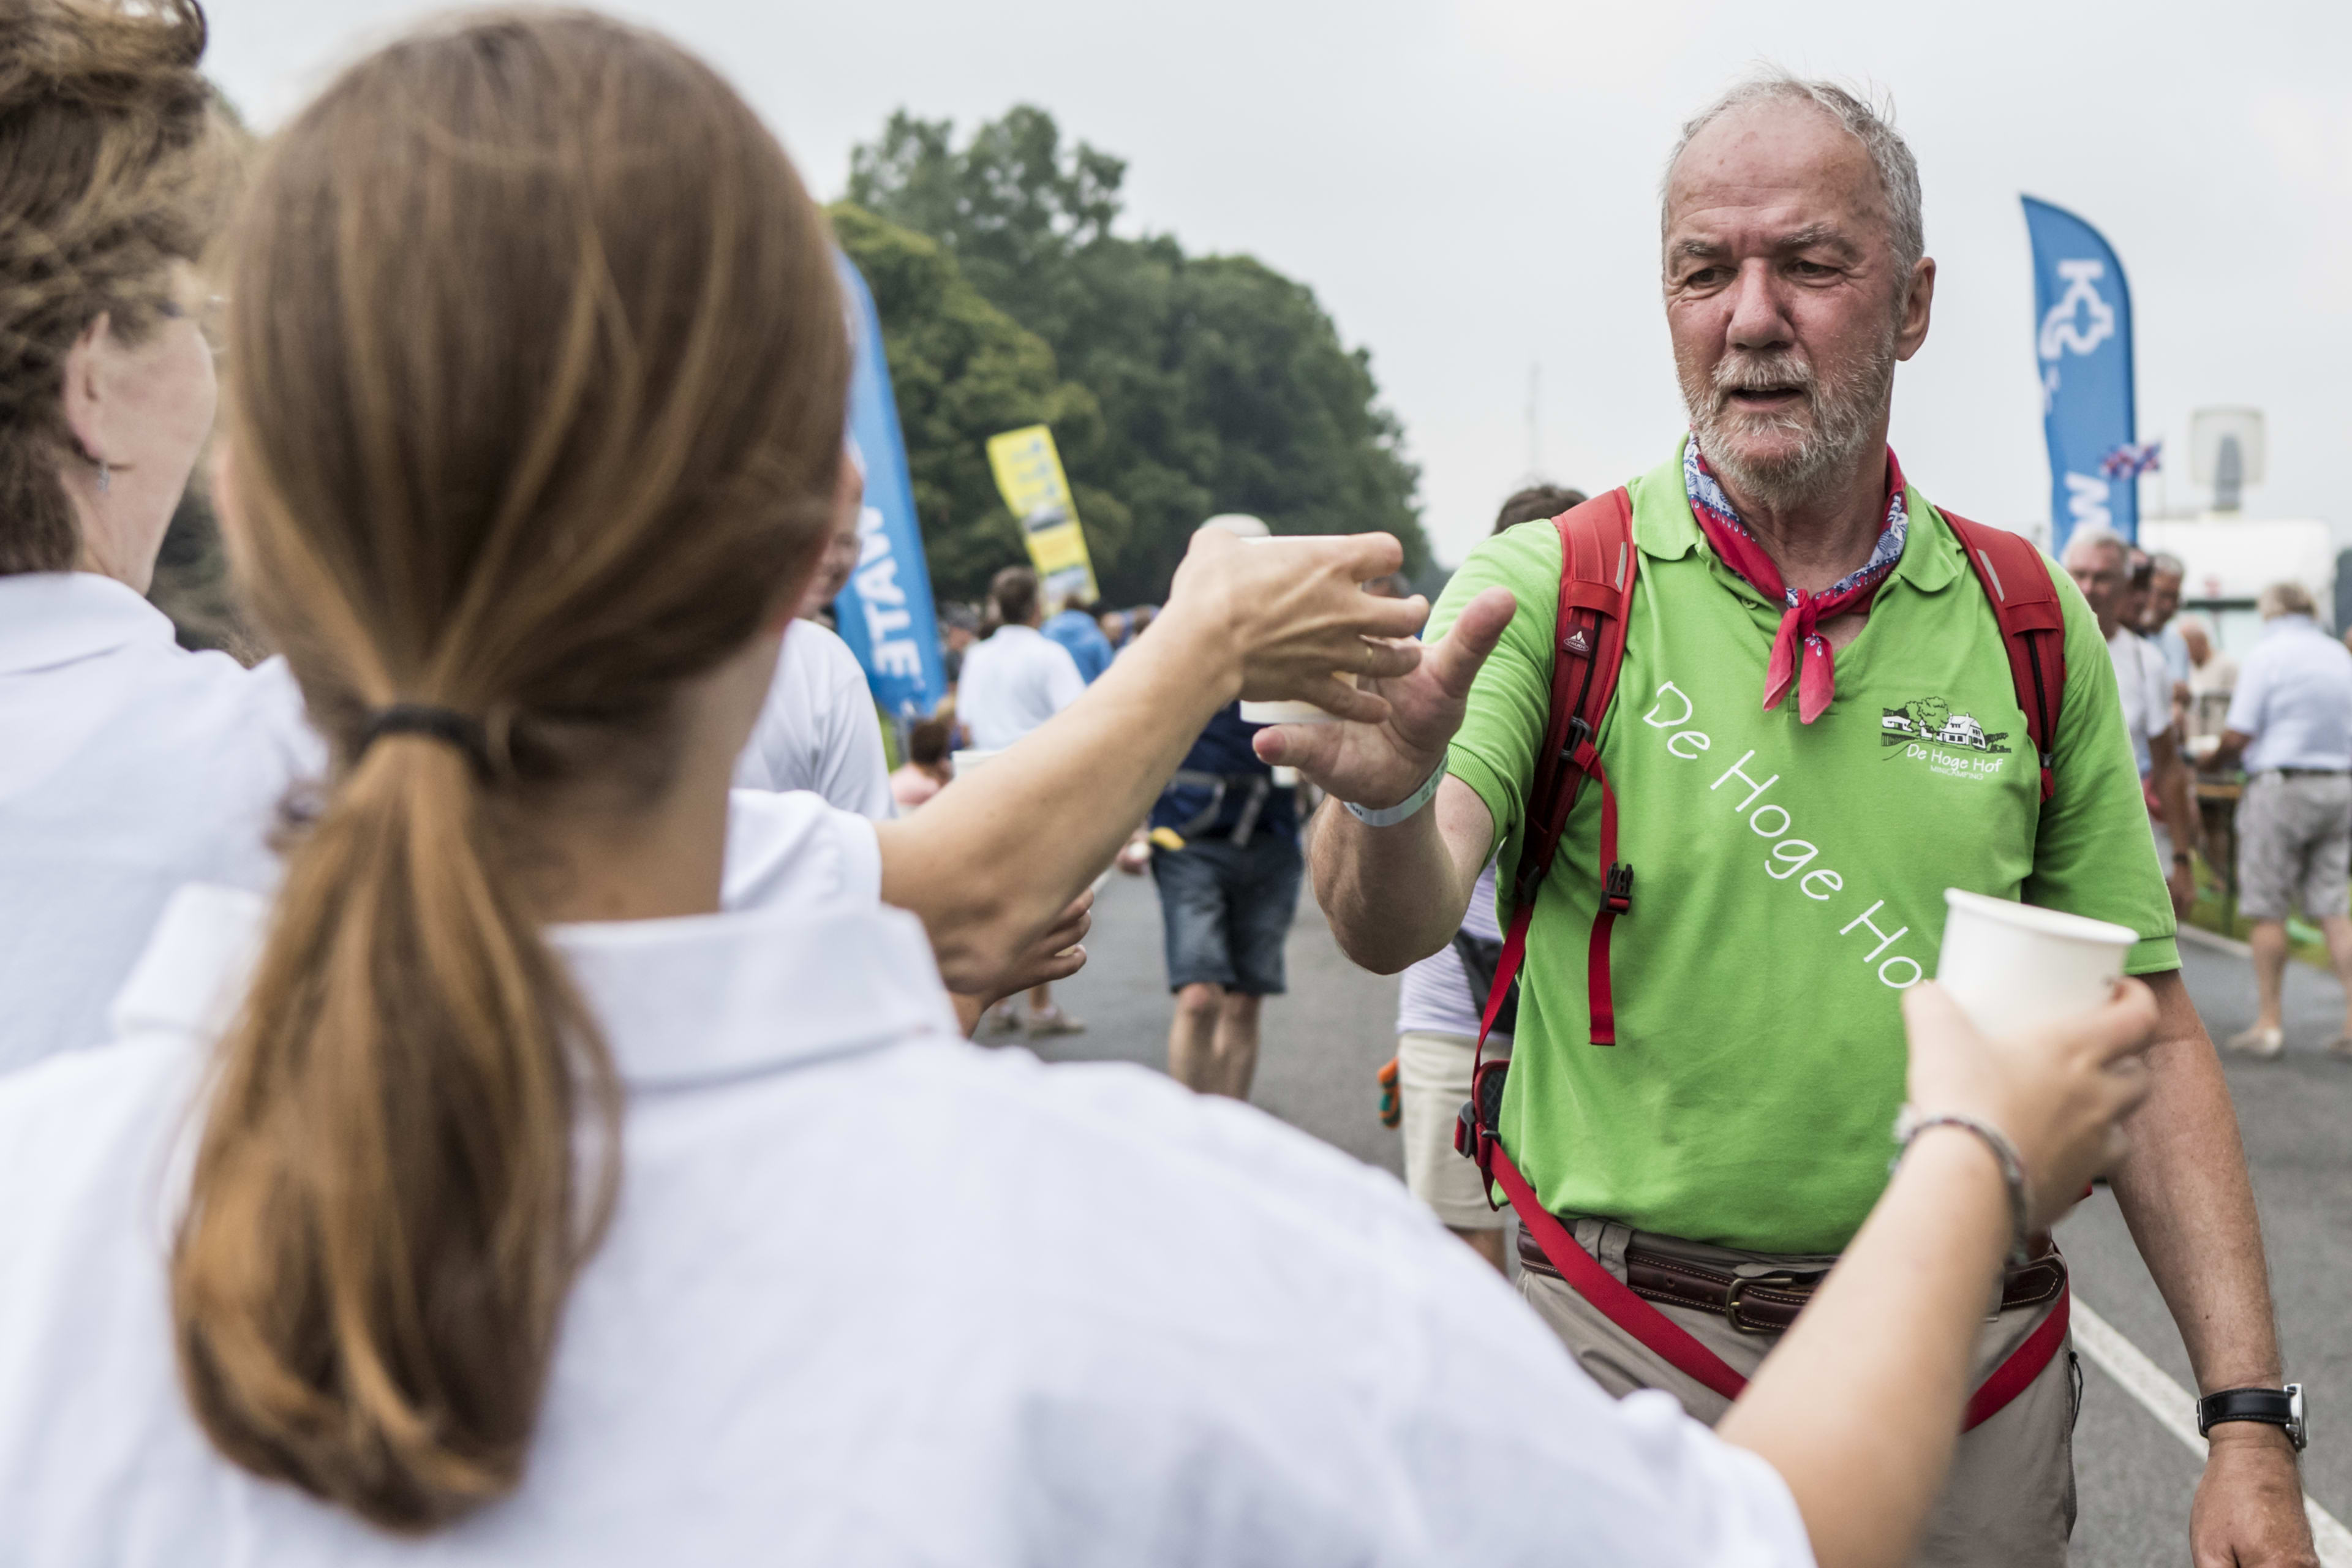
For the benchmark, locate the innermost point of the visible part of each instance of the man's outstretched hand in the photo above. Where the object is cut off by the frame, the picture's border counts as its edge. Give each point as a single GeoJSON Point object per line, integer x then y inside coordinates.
{"type": "Point", "coordinates": [1378, 764]}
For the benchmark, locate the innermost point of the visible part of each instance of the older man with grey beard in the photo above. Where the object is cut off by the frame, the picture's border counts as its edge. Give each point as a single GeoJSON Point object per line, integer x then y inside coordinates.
{"type": "Point", "coordinates": [1816, 732]}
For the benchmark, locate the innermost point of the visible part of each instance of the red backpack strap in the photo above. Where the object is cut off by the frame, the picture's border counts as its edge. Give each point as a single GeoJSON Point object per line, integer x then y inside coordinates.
{"type": "Point", "coordinates": [1598, 563]}
{"type": "Point", "coordinates": [2016, 579]}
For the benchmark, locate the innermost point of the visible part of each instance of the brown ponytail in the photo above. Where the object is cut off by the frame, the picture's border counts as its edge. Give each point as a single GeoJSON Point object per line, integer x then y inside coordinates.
{"type": "Point", "coordinates": [538, 370]}
{"type": "Point", "coordinates": [113, 164]}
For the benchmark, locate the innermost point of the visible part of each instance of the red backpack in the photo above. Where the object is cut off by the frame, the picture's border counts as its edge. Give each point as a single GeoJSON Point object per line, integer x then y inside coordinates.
{"type": "Point", "coordinates": [1598, 563]}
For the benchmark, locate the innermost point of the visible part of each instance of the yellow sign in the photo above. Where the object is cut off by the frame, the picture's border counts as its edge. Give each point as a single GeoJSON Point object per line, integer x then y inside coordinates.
{"type": "Point", "coordinates": [1029, 475]}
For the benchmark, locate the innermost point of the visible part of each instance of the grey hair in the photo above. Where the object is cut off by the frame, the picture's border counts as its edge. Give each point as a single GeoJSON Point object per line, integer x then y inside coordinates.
{"type": "Point", "coordinates": [2286, 599]}
{"type": "Point", "coordinates": [1871, 124]}
{"type": "Point", "coordinates": [2102, 535]}
{"type": "Point", "coordinates": [2165, 563]}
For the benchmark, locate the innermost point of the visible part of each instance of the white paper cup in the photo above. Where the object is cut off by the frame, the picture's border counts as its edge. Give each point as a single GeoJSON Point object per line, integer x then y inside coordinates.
{"type": "Point", "coordinates": [2013, 967]}
{"type": "Point", "coordinates": [1286, 713]}
{"type": "Point", "coordinates": [966, 761]}
{"type": "Point", "coordinates": [1292, 712]}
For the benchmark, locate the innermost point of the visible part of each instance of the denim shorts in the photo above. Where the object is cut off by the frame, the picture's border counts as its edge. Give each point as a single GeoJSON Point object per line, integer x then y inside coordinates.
{"type": "Point", "coordinates": [1226, 911]}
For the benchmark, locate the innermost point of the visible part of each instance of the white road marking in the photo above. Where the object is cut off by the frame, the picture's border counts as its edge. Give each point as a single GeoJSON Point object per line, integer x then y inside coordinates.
{"type": "Point", "coordinates": [2177, 1412]}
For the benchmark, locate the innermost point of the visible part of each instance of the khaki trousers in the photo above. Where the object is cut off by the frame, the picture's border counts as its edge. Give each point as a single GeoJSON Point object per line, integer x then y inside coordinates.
{"type": "Point", "coordinates": [2009, 1502]}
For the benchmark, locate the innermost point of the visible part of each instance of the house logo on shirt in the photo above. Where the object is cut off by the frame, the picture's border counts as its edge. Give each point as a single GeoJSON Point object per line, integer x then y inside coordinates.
{"type": "Point", "coordinates": [1927, 730]}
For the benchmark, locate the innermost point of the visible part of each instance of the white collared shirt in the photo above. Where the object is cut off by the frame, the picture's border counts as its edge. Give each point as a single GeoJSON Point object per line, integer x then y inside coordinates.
{"type": "Point", "coordinates": [871, 1295]}
{"type": "Point", "coordinates": [2145, 686]}
{"type": "Point", "coordinates": [1014, 682]}
{"type": "Point", "coordinates": [127, 765]}
{"type": "Point", "coordinates": [131, 766]}
{"type": "Point", "coordinates": [818, 729]}
{"type": "Point", "coordinates": [2293, 696]}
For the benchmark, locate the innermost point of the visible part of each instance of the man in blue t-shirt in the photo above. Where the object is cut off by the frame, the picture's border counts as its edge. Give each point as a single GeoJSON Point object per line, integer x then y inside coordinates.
{"type": "Point", "coordinates": [1078, 628]}
{"type": "Point", "coordinates": [1223, 849]}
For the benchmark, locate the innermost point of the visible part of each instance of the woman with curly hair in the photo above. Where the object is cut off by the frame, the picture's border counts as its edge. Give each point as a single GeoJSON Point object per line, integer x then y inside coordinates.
{"type": "Point", "coordinates": [130, 765]}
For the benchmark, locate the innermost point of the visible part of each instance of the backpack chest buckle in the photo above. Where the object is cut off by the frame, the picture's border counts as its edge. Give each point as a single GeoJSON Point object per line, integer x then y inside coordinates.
{"type": "Point", "coordinates": [1617, 889]}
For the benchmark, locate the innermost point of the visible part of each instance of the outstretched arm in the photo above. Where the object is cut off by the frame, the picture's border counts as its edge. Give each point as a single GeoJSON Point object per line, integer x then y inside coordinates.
{"type": "Point", "coordinates": [1859, 1407]}
{"type": "Point", "coordinates": [1397, 894]}
{"type": "Point", "coordinates": [994, 858]}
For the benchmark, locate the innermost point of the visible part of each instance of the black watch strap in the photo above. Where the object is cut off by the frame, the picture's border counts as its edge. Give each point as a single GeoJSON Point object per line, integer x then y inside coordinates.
{"type": "Point", "coordinates": [2272, 1407]}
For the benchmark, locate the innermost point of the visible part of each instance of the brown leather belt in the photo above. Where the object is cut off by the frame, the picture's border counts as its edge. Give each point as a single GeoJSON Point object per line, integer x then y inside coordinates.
{"type": "Point", "coordinates": [1768, 1303]}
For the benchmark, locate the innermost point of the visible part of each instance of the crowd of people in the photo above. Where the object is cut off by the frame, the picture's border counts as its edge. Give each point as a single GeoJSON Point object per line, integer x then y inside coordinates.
{"type": "Point", "coordinates": [2282, 719]}
{"type": "Point", "coordinates": [490, 1083]}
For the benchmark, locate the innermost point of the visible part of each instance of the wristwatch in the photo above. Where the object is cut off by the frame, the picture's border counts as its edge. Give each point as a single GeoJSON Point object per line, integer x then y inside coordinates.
{"type": "Point", "coordinates": [2272, 1407]}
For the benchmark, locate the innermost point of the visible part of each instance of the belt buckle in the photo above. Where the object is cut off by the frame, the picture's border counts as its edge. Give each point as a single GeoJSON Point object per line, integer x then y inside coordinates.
{"type": "Point", "coordinates": [1731, 1307]}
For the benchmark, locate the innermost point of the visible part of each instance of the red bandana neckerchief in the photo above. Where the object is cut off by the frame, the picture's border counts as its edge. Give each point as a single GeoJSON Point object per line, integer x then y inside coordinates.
{"type": "Point", "coordinates": [1737, 544]}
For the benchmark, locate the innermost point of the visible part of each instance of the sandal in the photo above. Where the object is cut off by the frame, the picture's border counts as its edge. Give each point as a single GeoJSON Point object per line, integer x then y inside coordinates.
{"type": "Point", "coordinates": [2261, 1044]}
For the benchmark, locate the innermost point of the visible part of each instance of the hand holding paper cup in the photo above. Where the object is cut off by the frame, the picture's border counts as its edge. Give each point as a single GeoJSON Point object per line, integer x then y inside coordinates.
{"type": "Point", "coordinates": [1292, 712]}
{"type": "Point", "coordinates": [1253, 531]}
{"type": "Point", "coordinates": [2013, 966]}
{"type": "Point", "coordinates": [2026, 1031]}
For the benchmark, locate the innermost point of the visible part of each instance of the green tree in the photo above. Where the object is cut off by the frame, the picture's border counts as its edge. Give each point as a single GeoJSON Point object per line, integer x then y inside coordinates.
{"type": "Point", "coordinates": [962, 371]}
{"type": "Point", "coordinates": [1219, 385]}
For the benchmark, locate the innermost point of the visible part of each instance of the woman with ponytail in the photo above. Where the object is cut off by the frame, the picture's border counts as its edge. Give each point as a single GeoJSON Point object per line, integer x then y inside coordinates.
{"type": "Point", "coordinates": [127, 765]}
{"type": "Point", "coordinates": [494, 1195]}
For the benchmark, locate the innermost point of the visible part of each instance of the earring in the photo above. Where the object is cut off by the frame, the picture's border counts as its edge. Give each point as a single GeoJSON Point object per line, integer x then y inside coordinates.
{"type": "Point", "coordinates": [105, 476]}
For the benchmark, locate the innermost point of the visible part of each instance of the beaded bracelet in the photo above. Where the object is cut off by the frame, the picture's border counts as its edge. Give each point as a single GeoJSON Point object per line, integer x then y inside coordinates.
{"type": "Point", "coordinates": [1910, 1122]}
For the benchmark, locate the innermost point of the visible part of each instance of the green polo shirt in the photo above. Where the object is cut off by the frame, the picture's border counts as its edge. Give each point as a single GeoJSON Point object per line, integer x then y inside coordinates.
{"type": "Point", "coordinates": [1789, 878]}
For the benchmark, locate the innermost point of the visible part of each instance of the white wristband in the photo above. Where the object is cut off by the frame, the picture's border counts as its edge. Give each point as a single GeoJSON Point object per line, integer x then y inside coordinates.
{"type": "Point", "coordinates": [1401, 810]}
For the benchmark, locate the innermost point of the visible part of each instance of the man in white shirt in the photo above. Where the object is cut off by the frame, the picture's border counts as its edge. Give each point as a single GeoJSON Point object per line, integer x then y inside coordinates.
{"type": "Point", "coordinates": [818, 730]}
{"type": "Point", "coordinates": [2291, 719]}
{"type": "Point", "coordinates": [842, 542]}
{"type": "Point", "coordinates": [2162, 622]}
{"type": "Point", "coordinates": [2212, 676]}
{"type": "Point", "coordinates": [1012, 682]}
{"type": "Point", "coordinates": [1019, 678]}
{"type": "Point", "coordinates": [2099, 562]}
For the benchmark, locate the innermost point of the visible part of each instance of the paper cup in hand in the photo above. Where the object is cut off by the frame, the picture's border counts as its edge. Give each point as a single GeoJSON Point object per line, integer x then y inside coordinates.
{"type": "Point", "coordinates": [1274, 712]}
{"type": "Point", "coordinates": [1292, 712]}
{"type": "Point", "coordinates": [2013, 967]}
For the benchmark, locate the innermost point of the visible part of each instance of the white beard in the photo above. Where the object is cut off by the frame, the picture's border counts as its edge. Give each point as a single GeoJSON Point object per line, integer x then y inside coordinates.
{"type": "Point", "coordinates": [1846, 410]}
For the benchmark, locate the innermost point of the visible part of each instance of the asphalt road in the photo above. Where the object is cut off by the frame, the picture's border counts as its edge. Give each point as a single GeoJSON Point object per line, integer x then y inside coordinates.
{"type": "Point", "coordinates": [1325, 1040]}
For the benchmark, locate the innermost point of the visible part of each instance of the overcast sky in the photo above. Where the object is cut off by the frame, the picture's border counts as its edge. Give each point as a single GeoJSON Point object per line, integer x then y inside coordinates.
{"type": "Point", "coordinates": [1470, 188]}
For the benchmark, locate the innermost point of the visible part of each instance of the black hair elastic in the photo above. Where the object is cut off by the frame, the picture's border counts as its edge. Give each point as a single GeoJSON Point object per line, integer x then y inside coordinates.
{"type": "Point", "coordinates": [444, 725]}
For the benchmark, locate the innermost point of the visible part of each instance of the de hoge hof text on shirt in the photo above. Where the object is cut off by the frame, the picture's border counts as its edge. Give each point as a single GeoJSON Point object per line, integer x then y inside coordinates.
{"type": "Point", "coordinates": [1790, 856]}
